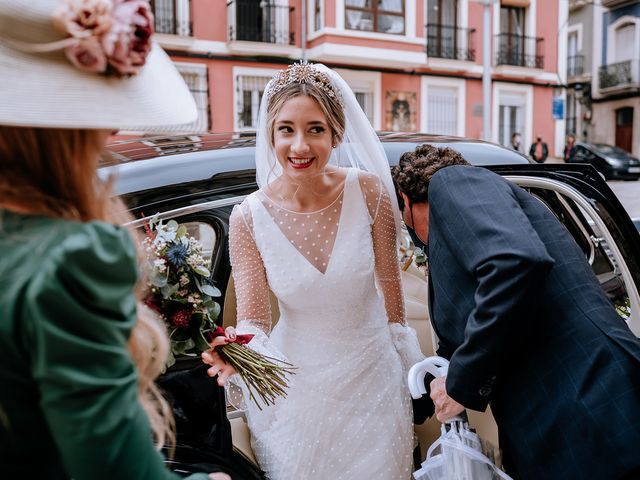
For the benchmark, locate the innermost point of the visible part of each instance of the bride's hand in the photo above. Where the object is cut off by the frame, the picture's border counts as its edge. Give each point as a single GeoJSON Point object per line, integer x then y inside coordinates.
{"type": "Point", "coordinates": [218, 366]}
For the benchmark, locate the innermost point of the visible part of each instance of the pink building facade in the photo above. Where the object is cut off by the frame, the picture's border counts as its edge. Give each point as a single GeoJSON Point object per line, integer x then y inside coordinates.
{"type": "Point", "coordinates": [414, 65]}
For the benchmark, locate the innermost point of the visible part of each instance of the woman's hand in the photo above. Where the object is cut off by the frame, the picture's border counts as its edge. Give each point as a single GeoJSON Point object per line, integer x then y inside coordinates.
{"type": "Point", "coordinates": [218, 366]}
{"type": "Point", "coordinates": [446, 407]}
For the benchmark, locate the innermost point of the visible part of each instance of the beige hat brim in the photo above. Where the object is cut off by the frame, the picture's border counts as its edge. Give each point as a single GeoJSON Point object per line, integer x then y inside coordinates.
{"type": "Point", "coordinates": [46, 90]}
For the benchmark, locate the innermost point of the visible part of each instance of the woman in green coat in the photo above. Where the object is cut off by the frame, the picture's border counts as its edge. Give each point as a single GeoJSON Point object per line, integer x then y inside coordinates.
{"type": "Point", "coordinates": [78, 354]}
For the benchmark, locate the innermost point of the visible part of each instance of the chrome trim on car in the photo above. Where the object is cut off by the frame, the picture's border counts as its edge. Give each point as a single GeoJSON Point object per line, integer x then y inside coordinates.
{"type": "Point", "coordinates": [576, 196]}
{"type": "Point", "coordinates": [180, 212]}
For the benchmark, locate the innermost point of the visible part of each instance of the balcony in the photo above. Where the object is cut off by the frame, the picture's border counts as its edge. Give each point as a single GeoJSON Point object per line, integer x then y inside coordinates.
{"type": "Point", "coordinates": [172, 17]}
{"type": "Point", "coordinates": [451, 42]}
{"type": "Point", "coordinates": [620, 76]}
{"type": "Point", "coordinates": [263, 22]}
{"type": "Point", "coordinates": [519, 50]}
{"type": "Point", "coordinates": [575, 65]}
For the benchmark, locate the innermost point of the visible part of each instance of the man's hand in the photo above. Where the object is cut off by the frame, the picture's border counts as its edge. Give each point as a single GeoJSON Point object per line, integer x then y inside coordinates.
{"type": "Point", "coordinates": [446, 407]}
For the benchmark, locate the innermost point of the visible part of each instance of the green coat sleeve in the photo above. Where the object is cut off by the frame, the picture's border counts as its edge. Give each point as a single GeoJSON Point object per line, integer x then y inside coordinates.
{"type": "Point", "coordinates": [80, 310]}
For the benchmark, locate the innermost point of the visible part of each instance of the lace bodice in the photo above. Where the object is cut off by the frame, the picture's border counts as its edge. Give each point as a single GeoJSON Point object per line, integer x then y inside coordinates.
{"type": "Point", "coordinates": [313, 234]}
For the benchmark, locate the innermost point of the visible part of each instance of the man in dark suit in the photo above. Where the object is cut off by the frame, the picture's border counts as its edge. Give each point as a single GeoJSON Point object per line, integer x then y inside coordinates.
{"type": "Point", "coordinates": [524, 322]}
{"type": "Point", "coordinates": [539, 150]}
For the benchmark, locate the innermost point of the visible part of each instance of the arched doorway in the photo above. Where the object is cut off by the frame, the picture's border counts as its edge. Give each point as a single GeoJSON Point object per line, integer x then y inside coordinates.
{"type": "Point", "coordinates": [624, 128]}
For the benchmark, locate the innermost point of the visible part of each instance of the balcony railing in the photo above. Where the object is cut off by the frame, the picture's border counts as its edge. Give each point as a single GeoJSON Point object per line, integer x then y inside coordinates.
{"type": "Point", "coordinates": [575, 65]}
{"type": "Point", "coordinates": [263, 21]}
{"type": "Point", "coordinates": [172, 17]}
{"type": "Point", "coordinates": [455, 43]}
{"type": "Point", "coordinates": [519, 50]}
{"type": "Point", "coordinates": [620, 75]}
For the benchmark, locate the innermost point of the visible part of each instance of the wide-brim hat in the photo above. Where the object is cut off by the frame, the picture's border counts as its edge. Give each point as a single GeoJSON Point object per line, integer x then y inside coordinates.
{"type": "Point", "coordinates": [44, 89]}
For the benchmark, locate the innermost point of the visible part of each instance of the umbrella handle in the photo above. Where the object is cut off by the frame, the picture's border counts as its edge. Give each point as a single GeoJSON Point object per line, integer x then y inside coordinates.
{"type": "Point", "coordinates": [436, 366]}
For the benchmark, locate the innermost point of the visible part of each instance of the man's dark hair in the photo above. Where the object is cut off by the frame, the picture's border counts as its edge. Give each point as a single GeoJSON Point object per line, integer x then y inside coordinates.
{"type": "Point", "coordinates": [414, 170]}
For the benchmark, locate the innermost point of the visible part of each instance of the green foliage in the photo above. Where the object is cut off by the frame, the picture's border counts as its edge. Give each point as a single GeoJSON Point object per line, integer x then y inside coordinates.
{"type": "Point", "coordinates": [180, 289]}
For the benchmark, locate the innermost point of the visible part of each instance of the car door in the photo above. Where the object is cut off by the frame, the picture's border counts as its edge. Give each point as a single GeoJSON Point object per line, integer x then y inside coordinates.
{"type": "Point", "coordinates": [207, 220]}
{"type": "Point", "coordinates": [584, 203]}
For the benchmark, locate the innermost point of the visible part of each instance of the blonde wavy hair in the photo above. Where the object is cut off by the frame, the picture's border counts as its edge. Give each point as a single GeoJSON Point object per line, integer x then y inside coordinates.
{"type": "Point", "coordinates": [53, 172]}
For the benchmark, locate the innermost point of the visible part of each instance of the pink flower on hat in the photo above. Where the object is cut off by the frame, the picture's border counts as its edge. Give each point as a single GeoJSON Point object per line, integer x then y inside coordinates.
{"type": "Point", "coordinates": [81, 18]}
{"type": "Point", "coordinates": [87, 55]}
{"type": "Point", "coordinates": [128, 41]}
{"type": "Point", "coordinates": [107, 36]}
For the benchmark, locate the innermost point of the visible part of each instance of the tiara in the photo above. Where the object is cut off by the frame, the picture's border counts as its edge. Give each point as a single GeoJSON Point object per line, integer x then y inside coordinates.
{"type": "Point", "coordinates": [303, 72]}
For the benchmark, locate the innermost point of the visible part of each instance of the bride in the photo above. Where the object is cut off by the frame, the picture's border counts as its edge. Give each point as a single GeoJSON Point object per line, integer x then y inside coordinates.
{"type": "Point", "coordinates": [323, 239]}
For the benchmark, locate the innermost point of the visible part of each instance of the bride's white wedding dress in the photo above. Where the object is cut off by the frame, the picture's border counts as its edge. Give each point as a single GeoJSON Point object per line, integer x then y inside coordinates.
{"type": "Point", "coordinates": [335, 275]}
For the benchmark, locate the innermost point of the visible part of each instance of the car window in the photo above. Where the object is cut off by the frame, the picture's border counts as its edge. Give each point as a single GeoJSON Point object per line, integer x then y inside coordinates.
{"type": "Point", "coordinates": [610, 149]}
{"type": "Point", "coordinates": [583, 155]}
{"type": "Point", "coordinates": [591, 234]}
{"type": "Point", "coordinates": [206, 235]}
{"type": "Point", "coordinates": [202, 224]}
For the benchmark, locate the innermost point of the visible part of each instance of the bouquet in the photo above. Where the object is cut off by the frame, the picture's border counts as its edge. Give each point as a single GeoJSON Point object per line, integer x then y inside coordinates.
{"type": "Point", "coordinates": [181, 292]}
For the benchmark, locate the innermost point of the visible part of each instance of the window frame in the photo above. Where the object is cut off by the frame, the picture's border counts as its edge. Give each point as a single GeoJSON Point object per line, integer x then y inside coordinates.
{"type": "Point", "coordinates": [200, 95]}
{"type": "Point", "coordinates": [237, 73]}
{"type": "Point", "coordinates": [461, 92]}
{"type": "Point", "coordinates": [375, 11]}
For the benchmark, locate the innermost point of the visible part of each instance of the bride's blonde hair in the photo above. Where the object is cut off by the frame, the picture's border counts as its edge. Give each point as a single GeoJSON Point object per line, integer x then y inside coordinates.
{"type": "Point", "coordinates": [52, 172]}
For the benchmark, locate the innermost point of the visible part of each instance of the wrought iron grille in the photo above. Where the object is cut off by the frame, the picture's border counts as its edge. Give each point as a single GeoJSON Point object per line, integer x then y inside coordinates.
{"type": "Point", "coordinates": [445, 41]}
{"type": "Point", "coordinates": [519, 50]}
{"type": "Point", "coordinates": [172, 17]}
{"type": "Point", "coordinates": [261, 21]}
{"type": "Point", "coordinates": [620, 74]}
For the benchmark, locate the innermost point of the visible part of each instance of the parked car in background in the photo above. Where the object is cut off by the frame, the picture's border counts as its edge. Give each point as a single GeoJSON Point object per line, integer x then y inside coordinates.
{"type": "Point", "coordinates": [612, 162]}
{"type": "Point", "coordinates": [197, 179]}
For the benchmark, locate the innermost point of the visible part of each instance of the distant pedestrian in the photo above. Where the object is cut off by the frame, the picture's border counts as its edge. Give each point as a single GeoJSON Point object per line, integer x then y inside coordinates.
{"type": "Point", "coordinates": [539, 150]}
{"type": "Point", "coordinates": [516, 142]}
{"type": "Point", "coordinates": [570, 148]}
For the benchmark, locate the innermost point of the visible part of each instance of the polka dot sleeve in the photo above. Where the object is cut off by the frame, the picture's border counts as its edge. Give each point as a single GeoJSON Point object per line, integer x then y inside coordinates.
{"type": "Point", "coordinates": [383, 230]}
{"type": "Point", "coordinates": [249, 276]}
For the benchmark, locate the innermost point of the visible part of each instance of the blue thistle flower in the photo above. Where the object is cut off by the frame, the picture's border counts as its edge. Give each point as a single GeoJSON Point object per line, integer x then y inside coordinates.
{"type": "Point", "coordinates": [177, 254]}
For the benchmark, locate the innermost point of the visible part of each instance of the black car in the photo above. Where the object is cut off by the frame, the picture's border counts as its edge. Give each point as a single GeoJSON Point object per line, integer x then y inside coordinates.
{"type": "Point", "coordinates": [197, 179]}
{"type": "Point", "coordinates": [612, 162]}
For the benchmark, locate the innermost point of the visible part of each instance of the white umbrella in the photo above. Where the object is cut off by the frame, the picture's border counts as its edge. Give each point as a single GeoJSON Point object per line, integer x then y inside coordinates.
{"type": "Point", "coordinates": [457, 454]}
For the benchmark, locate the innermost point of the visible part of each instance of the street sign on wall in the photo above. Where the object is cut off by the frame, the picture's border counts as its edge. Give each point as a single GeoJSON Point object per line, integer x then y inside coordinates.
{"type": "Point", "coordinates": [558, 108]}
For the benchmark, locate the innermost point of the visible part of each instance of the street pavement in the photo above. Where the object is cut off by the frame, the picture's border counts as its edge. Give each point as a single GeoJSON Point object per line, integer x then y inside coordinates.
{"type": "Point", "coordinates": [629, 195]}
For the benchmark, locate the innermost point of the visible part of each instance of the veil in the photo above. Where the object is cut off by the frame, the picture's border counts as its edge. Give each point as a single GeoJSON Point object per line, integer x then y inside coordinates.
{"type": "Point", "coordinates": [360, 147]}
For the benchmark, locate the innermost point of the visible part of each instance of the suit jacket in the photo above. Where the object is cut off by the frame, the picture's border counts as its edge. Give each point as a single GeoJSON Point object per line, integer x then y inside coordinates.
{"type": "Point", "coordinates": [527, 328]}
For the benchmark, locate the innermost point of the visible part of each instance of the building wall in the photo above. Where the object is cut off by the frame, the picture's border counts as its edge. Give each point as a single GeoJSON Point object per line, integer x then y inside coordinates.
{"type": "Point", "coordinates": [549, 31]}
{"type": "Point", "coordinates": [396, 66]}
{"type": "Point", "coordinates": [604, 122]}
{"type": "Point", "coordinates": [473, 113]}
{"type": "Point", "coordinates": [611, 16]}
{"type": "Point", "coordinates": [582, 20]}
